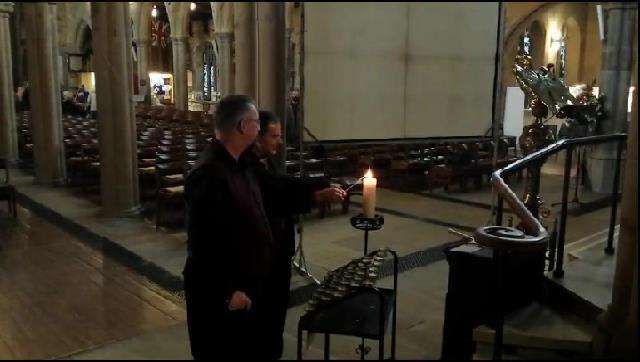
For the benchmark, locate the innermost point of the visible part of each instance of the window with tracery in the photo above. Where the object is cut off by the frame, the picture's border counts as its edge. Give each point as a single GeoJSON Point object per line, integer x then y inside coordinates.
{"type": "Point", "coordinates": [209, 74]}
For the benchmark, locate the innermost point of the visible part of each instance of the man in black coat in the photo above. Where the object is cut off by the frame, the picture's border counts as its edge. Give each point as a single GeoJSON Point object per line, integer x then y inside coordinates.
{"type": "Point", "coordinates": [268, 144]}
{"type": "Point", "coordinates": [230, 241]}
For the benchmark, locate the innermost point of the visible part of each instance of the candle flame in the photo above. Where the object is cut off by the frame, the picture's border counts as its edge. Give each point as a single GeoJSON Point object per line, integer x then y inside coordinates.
{"type": "Point", "coordinates": [368, 174]}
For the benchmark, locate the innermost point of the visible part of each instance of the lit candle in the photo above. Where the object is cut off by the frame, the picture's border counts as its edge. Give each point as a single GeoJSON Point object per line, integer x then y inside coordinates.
{"type": "Point", "coordinates": [369, 195]}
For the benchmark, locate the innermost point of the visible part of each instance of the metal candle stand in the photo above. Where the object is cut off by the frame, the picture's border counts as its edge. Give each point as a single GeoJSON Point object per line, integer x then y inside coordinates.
{"type": "Point", "coordinates": [367, 224]}
{"type": "Point", "coordinates": [360, 312]}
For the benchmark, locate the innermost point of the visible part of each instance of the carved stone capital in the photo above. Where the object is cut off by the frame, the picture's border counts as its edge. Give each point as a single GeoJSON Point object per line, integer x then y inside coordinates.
{"type": "Point", "coordinates": [6, 9]}
{"type": "Point", "coordinates": [179, 40]}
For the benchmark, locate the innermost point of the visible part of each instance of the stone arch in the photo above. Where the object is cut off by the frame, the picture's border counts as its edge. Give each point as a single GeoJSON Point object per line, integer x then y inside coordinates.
{"type": "Point", "coordinates": [573, 44]}
{"type": "Point", "coordinates": [144, 17]}
{"type": "Point", "coordinates": [223, 17]}
{"type": "Point", "coordinates": [517, 29]}
{"type": "Point", "coordinates": [511, 43]}
{"type": "Point", "coordinates": [81, 32]}
{"type": "Point", "coordinates": [178, 18]}
{"type": "Point", "coordinates": [538, 35]}
{"type": "Point", "coordinates": [83, 43]}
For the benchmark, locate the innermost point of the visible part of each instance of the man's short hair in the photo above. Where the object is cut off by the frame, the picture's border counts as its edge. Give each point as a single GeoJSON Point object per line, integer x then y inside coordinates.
{"type": "Point", "coordinates": [266, 118]}
{"type": "Point", "coordinates": [229, 110]}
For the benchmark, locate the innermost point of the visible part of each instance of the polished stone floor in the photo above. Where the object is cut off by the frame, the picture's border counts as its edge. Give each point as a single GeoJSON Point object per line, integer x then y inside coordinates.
{"type": "Point", "coordinates": [415, 226]}
{"type": "Point", "coordinates": [59, 296]}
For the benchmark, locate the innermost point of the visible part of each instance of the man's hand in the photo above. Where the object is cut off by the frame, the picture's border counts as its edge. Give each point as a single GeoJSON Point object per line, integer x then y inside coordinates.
{"type": "Point", "coordinates": [329, 195]}
{"type": "Point", "coordinates": [239, 300]}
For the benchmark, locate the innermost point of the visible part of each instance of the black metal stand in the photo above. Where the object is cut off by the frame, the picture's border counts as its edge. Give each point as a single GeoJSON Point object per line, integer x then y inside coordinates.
{"type": "Point", "coordinates": [299, 261]}
{"type": "Point", "coordinates": [580, 156]}
{"type": "Point", "coordinates": [363, 313]}
{"type": "Point", "coordinates": [367, 224]}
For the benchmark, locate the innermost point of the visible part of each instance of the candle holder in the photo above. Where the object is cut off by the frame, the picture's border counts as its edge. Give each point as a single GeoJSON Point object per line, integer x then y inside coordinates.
{"type": "Point", "coordinates": [367, 224]}
{"type": "Point", "coordinates": [349, 303]}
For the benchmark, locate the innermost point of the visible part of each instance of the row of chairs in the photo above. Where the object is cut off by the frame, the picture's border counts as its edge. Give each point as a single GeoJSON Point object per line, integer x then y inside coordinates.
{"type": "Point", "coordinates": [167, 149]}
{"type": "Point", "coordinates": [405, 165]}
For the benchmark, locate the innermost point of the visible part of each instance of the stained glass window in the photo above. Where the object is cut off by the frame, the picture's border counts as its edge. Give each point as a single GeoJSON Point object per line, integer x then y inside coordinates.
{"type": "Point", "coordinates": [209, 74]}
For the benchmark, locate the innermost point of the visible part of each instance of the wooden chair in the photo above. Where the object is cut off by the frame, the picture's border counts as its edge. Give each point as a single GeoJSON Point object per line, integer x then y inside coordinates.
{"type": "Point", "coordinates": [169, 186]}
{"type": "Point", "coordinates": [7, 190]}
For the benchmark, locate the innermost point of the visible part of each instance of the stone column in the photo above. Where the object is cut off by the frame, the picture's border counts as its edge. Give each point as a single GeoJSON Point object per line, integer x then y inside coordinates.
{"type": "Point", "coordinates": [616, 336]}
{"type": "Point", "coordinates": [15, 22]}
{"type": "Point", "coordinates": [271, 57]}
{"type": "Point", "coordinates": [615, 76]}
{"type": "Point", "coordinates": [225, 63]}
{"type": "Point", "coordinates": [271, 63]}
{"type": "Point", "coordinates": [180, 49]}
{"type": "Point", "coordinates": [44, 92]}
{"type": "Point", "coordinates": [197, 66]}
{"type": "Point", "coordinates": [64, 68]}
{"type": "Point", "coordinates": [116, 120]}
{"type": "Point", "coordinates": [8, 133]}
{"type": "Point", "coordinates": [244, 26]}
{"type": "Point", "coordinates": [143, 66]}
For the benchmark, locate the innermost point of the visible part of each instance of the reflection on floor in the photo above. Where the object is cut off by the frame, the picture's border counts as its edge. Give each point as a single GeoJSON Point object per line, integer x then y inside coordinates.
{"type": "Point", "coordinates": [59, 296]}
{"type": "Point", "coordinates": [414, 225]}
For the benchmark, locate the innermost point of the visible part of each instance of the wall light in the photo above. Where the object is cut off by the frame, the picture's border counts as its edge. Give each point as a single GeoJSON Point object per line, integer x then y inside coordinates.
{"type": "Point", "coordinates": [154, 11]}
{"type": "Point", "coordinates": [193, 6]}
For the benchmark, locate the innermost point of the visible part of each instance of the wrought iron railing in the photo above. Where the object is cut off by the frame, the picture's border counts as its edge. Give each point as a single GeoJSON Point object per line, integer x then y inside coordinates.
{"type": "Point", "coordinates": [530, 223]}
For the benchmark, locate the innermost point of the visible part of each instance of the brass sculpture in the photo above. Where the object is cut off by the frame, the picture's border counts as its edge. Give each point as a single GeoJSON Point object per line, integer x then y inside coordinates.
{"type": "Point", "coordinates": [549, 93]}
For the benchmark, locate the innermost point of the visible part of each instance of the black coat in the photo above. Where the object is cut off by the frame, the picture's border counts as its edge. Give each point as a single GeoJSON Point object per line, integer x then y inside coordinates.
{"type": "Point", "coordinates": [283, 231]}
{"type": "Point", "coordinates": [231, 245]}
{"type": "Point", "coordinates": [230, 242]}
{"type": "Point", "coordinates": [282, 223]}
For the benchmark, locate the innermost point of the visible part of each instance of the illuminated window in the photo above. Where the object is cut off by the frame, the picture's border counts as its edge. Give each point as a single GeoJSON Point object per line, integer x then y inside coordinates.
{"type": "Point", "coordinates": [209, 74]}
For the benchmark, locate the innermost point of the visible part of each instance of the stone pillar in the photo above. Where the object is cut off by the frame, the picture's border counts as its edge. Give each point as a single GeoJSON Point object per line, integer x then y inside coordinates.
{"type": "Point", "coordinates": [180, 49]}
{"type": "Point", "coordinates": [197, 65]}
{"type": "Point", "coordinates": [225, 63]}
{"type": "Point", "coordinates": [143, 67]}
{"type": "Point", "coordinates": [116, 120]}
{"type": "Point", "coordinates": [244, 26]}
{"type": "Point", "coordinates": [64, 66]}
{"type": "Point", "coordinates": [8, 133]}
{"type": "Point", "coordinates": [271, 63]}
{"type": "Point", "coordinates": [271, 57]}
{"type": "Point", "coordinates": [15, 22]}
{"type": "Point", "coordinates": [615, 75]}
{"type": "Point", "coordinates": [617, 333]}
{"type": "Point", "coordinates": [44, 92]}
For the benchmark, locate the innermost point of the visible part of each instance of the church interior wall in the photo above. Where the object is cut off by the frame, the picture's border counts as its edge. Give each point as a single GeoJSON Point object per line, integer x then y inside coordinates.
{"type": "Point", "coordinates": [423, 84]}
{"type": "Point", "coordinates": [383, 79]}
{"type": "Point", "coordinates": [580, 23]}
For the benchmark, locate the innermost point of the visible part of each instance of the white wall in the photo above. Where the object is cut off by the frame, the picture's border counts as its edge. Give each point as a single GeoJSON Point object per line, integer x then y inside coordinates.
{"type": "Point", "coordinates": [393, 70]}
{"type": "Point", "coordinates": [513, 112]}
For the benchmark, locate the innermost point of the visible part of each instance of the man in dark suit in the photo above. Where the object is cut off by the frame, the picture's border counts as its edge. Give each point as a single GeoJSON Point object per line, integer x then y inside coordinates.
{"type": "Point", "coordinates": [230, 241]}
{"type": "Point", "coordinates": [267, 145]}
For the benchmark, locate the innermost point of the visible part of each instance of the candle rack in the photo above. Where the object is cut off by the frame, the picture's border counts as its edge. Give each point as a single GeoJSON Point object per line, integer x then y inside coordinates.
{"type": "Point", "coordinates": [349, 303]}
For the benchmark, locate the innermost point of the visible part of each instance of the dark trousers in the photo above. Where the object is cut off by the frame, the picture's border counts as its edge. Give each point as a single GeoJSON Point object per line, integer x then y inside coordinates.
{"type": "Point", "coordinates": [214, 331]}
{"type": "Point", "coordinates": [278, 303]}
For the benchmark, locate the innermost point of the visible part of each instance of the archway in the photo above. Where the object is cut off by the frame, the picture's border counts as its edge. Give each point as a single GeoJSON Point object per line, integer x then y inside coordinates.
{"type": "Point", "coordinates": [78, 67]}
{"type": "Point", "coordinates": [573, 45]}
{"type": "Point", "coordinates": [537, 35]}
{"type": "Point", "coordinates": [159, 52]}
{"type": "Point", "coordinates": [85, 47]}
{"type": "Point", "coordinates": [203, 65]}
